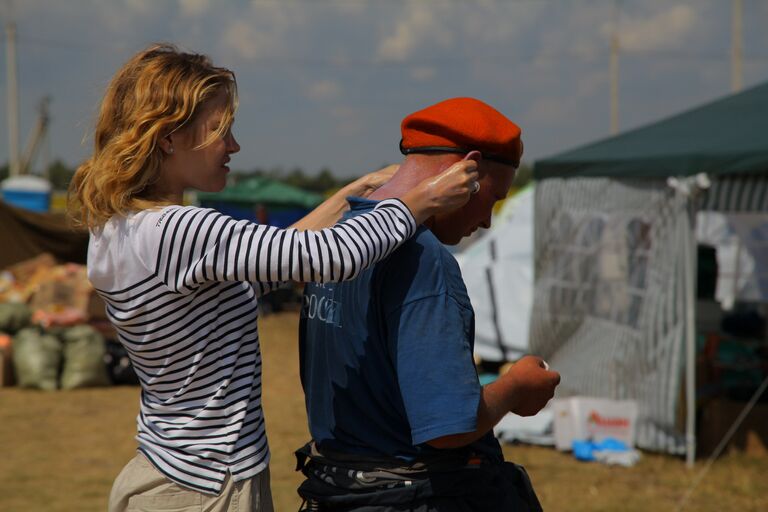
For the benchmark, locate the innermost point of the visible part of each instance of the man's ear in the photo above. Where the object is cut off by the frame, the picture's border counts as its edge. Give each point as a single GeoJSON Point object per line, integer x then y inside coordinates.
{"type": "Point", "coordinates": [477, 157]}
{"type": "Point", "coordinates": [474, 155]}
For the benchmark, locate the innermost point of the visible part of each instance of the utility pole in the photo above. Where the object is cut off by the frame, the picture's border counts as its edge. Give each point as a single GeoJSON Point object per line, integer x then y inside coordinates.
{"type": "Point", "coordinates": [614, 71]}
{"type": "Point", "coordinates": [736, 45]}
{"type": "Point", "coordinates": [37, 139]}
{"type": "Point", "coordinates": [13, 99]}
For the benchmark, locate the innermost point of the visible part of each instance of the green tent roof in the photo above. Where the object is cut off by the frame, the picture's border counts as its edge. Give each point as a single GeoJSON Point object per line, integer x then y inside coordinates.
{"type": "Point", "coordinates": [726, 136]}
{"type": "Point", "coordinates": [261, 190]}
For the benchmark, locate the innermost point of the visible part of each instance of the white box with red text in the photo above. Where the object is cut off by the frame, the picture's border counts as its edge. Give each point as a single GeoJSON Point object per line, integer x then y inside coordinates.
{"type": "Point", "coordinates": [590, 418]}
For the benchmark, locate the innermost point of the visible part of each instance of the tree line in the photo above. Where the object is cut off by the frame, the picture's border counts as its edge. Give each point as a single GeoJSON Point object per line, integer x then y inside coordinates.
{"type": "Point", "coordinates": [60, 174]}
{"type": "Point", "coordinates": [321, 182]}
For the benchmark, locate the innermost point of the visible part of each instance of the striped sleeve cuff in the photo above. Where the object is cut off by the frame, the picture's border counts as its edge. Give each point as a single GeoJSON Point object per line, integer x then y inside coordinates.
{"type": "Point", "coordinates": [404, 213]}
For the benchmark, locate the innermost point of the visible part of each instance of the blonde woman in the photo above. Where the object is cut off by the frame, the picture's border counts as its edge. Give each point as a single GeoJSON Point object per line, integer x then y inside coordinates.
{"type": "Point", "coordinates": [181, 284]}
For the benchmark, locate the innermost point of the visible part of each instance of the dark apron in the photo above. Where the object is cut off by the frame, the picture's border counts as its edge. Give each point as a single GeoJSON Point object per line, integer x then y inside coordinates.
{"type": "Point", "coordinates": [456, 481]}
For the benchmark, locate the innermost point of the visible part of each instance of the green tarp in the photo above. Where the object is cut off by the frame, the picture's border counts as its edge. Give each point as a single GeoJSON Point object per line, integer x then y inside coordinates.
{"type": "Point", "coordinates": [727, 136]}
{"type": "Point", "coordinates": [260, 190]}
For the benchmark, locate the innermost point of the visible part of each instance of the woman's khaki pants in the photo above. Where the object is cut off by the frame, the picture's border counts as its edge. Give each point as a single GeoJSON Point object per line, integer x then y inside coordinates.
{"type": "Point", "coordinates": [141, 488]}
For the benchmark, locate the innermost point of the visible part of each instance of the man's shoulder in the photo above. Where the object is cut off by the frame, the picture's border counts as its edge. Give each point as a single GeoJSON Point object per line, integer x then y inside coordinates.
{"type": "Point", "coordinates": [421, 256]}
{"type": "Point", "coordinates": [423, 244]}
{"type": "Point", "coordinates": [421, 267]}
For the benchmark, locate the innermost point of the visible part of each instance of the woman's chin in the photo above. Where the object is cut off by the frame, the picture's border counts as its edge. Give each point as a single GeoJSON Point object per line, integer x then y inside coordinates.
{"type": "Point", "coordinates": [214, 187]}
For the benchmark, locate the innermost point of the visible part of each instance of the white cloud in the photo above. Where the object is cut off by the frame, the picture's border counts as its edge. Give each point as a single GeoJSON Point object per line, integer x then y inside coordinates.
{"type": "Point", "coordinates": [550, 110]}
{"type": "Point", "coordinates": [140, 6]}
{"type": "Point", "coordinates": [662, 30]}
{"type": "Point", "coordinates": [246, 41]}
{"type": "Point", "coordinates": [119, 18]}
{"type": "Point", "coordinates": [279, 14]}
{"type": "Point", "coordinates": [553, 108]}
{"type": "Point", "coordinates": [428, 26]}
{"type": "Point", "coordinates": [571, 32]}
{"type": "Point", "coordinates": [549, 57]}
{"type": "Point", "coordinates": [350, 7]}
{"type": "Point", "coordinates": [423, 73]}
{"type": "Point", "coordinates": [545, 110]}
{"type": "Point", "coordinates": [494, 21]}
{"type": "Point", "coordinates": [265, 29]}
{"type": "Point", "coordinates": [589, 84]}
{"type": "Point", "coordinates": [419, 25]}
{"type": "Point", "coordinates": [323, 90]}
{"type": "Point", "coordinates": [194, 7]}
{"type": "Point", "coordinates": [349, 121]}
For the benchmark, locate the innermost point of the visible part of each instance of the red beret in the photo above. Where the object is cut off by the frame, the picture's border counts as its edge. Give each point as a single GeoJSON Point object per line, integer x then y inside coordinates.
{"type": "Point", "coordinates": [461, 125]}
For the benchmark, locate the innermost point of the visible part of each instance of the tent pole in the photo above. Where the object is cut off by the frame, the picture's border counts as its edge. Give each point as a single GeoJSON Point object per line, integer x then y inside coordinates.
{"type": "Point", "coordinates": [690, 256]}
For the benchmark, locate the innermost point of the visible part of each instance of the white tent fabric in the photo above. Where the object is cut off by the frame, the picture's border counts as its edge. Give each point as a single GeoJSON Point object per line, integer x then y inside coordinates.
{"type": "Point", "coordinates": [611, 295]}
{"type": "Point", "coordinates": [741, 241]}
{"type": "Point", "coordinates": [498, 272]}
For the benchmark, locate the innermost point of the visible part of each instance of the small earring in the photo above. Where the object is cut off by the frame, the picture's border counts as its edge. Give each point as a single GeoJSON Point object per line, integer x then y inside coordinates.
{"type": "Point", "coordinates": [170, 150]}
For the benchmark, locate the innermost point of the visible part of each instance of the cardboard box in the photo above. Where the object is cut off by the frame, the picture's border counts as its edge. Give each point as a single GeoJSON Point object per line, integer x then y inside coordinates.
{"type": "Point", "coordinates": [63, 297]}
{"type": "Point", "coordinates": [717, 417]}
{"type": "Point", "coordinates": [24, 270]}
{"type": "Point", "coordinates": [590, 418]}
{"type": "Point", "coordinates": [20, 281]}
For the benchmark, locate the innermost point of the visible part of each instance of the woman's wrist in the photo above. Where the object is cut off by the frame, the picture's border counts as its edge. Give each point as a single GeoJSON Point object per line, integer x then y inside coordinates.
{"type": "Point", "coordinates": [420, 202]}
{"type": "Point", "coordinates": [357, 188]}
{"type": "Point", "coordinates": [368, 184]}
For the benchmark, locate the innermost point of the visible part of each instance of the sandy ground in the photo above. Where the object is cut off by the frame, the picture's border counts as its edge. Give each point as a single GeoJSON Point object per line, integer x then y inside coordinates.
{"type": "Point", "coordinates": [60, 451]}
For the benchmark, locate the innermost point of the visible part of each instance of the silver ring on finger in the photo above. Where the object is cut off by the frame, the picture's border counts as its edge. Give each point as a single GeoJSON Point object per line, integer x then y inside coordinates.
{"type": "Point", "coordinates": [475, 188]}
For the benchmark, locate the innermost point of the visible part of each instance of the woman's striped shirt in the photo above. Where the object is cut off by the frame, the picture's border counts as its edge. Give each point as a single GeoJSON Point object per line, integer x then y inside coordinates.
{"type": "Point", "coordinates": [181, 287]}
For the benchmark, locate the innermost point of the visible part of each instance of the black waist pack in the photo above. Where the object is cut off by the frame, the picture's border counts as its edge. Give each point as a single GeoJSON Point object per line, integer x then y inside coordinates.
{"type": "Point", "coordinates": [458, 482]}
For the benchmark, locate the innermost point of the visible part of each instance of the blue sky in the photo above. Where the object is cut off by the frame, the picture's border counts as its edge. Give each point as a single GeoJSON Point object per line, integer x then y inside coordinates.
{"type": "Point", "coordinates": [326, 82]}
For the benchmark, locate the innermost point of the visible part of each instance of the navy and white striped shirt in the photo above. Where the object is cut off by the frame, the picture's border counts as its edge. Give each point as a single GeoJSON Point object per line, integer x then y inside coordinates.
{"type": "Point", "coordinates": [181, 287]}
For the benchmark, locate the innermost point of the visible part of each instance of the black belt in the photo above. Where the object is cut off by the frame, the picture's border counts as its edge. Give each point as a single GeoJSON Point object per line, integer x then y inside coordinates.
{"type": "Point", "coordinates": [445, 460]}
{"type": "Point", "coordinates": [344, 482]}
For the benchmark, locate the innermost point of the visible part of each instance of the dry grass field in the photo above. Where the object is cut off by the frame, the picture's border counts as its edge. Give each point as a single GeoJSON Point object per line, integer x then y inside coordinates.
{"type": "Point", "coordinates": [59, 451]}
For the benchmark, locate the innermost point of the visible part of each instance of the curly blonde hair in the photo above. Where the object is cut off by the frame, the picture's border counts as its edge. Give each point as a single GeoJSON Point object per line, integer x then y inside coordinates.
{"type": "Point", "coordinates": [157, 92]}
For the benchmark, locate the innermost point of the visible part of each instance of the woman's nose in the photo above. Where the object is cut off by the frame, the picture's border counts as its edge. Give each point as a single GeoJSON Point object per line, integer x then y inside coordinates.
{"type": "Point", "coordinates": [232, 145]}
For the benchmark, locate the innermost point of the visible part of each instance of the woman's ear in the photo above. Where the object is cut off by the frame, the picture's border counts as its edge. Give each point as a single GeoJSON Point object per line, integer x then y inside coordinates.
{"type": "Point", "coordinates": [165, 144]}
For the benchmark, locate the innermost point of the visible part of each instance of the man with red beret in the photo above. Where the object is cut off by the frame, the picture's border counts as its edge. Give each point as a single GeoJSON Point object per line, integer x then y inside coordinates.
{"type": "Point", "coordinates": [398, 418]}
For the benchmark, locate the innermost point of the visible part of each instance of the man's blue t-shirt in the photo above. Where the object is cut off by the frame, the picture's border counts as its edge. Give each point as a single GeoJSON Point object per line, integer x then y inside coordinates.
{"type": "Point", "coordinates": [386, 359]}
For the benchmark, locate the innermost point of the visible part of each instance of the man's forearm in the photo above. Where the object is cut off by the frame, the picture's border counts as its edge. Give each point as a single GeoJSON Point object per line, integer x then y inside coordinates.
{"type": "Point", "coordinates": [495, 402]}
{"type": "Point", "coordinates": [524, 390]}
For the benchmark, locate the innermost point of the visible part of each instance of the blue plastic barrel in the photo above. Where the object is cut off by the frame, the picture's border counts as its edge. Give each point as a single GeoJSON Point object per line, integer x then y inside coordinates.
{"type": "Point", "coordinates": [28, 192]}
